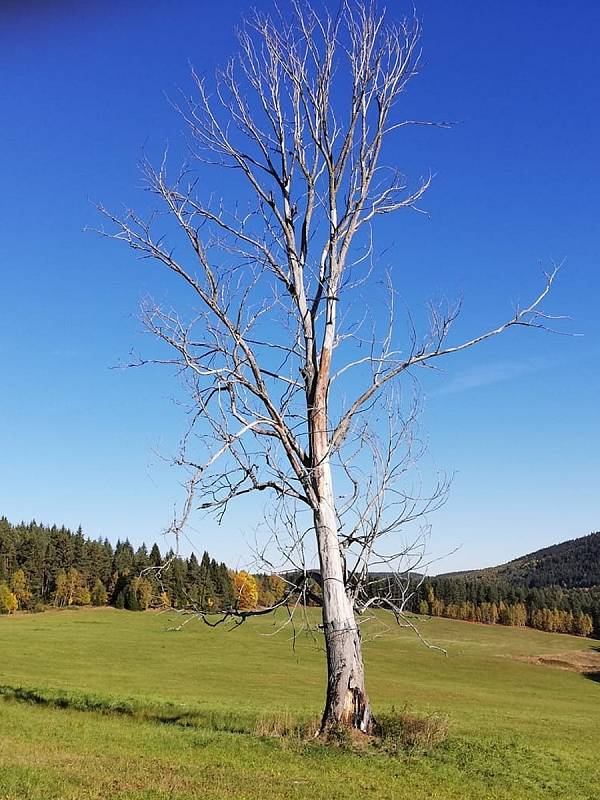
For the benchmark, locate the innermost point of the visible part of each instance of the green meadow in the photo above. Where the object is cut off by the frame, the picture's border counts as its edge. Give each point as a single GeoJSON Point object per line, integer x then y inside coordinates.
{"type": "Point", "coordinates": [106, 703]}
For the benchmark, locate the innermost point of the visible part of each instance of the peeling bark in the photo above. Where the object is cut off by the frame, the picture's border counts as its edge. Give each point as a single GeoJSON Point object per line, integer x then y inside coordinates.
{"type": "Point", "coordinates": [347, 702]}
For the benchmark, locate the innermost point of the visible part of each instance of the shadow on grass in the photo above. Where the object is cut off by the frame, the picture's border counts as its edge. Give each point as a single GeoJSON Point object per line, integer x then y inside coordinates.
{"type": "Point", "coordinates": [164, 713]}
{"type": "Point", "coordinates": [593, 676]}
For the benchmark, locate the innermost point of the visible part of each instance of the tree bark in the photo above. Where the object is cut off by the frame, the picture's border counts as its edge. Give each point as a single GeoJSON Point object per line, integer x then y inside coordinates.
{"type": "Point", "coordinates": [347, 702]}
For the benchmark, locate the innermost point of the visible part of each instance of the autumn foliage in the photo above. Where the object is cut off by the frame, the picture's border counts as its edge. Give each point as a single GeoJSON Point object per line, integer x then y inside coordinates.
{"type": "Point", "coordinates": [8, 600]}
{"type": "Point", "coordinates": [246, 590]}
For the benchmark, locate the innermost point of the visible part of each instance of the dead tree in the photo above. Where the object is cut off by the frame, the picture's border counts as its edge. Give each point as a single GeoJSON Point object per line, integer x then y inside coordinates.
{"type": "Point", "coordinates": [286, 373]}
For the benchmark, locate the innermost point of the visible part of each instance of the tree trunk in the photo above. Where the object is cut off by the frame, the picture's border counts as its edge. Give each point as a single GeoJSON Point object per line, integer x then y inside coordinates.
{"type": "Point", "coordinates": [347, 701]}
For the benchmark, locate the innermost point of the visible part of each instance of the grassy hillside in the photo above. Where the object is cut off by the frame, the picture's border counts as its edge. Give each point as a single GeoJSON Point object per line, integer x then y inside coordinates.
{"type": "Point", "coordinates": [518, 729]}
{"type": "Point", "coordinates": [572, 564]}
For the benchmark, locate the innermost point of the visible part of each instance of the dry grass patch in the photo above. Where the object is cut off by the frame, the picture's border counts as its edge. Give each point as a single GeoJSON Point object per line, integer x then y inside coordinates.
{"type": "Point", "coordinates": [395, 733]}
{"type": "Point", "coordinates": [585, 661]}
{"type": "Point", "coordinates": [286, 725]}
{"type": "Point", "coordinates": [406, 732]}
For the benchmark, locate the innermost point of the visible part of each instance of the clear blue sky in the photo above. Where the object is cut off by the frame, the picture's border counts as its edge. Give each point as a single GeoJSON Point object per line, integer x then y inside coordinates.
{"type": "Point", "coordinates": [517, 183]}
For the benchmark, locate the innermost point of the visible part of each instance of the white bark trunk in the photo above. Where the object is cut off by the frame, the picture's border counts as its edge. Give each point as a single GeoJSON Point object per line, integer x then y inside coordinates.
{"type": "Point", "coordinates": [347, 702]}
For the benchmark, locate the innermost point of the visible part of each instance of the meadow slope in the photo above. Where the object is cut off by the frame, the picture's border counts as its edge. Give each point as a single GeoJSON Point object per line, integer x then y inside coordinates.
{"type": "Point", "coordinates": [172, 714]}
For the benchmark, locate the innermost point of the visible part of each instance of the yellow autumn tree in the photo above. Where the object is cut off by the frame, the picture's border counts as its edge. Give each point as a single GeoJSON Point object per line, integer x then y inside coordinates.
{"type": "Point", "coordinates": [80, 593]}
{"type": "Point", "coordinates": [143, 591]}
{"type": "Point", "coordinates": [165, 600]}
{"type": "Point", "coordinates": [20, 588]}
{"type": "Point", "coordinates": [8, 600]}
{"type": "Point", "coordinates": [71, 589]}
{"type": "Point", "coordinates": [61, 591]}
{"type": "Point", "coordinates": [246, 590]}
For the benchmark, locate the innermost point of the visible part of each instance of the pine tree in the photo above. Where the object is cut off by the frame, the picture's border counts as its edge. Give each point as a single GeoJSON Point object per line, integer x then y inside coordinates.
{"type": "Point", "coordinates": [124, 558]}
{"type": "Point", "coordinates": [132, 602]}
{"type": "Point", "coordinates": [142, 560]}
{"type": "Point", "coordinates": [79, 552]}
{"type": "Point", "coordinates": [155, 557]}
{"type": "Point", "coordinates": [224, 588]}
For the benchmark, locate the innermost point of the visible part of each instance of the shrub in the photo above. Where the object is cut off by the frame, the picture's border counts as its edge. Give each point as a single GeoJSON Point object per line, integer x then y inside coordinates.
{"type": "Point", "coordinates": [405, 731]}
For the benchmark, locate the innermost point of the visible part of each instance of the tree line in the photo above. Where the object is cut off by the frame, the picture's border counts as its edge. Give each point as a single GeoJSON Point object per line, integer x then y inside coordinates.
{"type": "Point", "coordinates": [46, 565]}
{"type": "Point", "coordinates": [549, 608]}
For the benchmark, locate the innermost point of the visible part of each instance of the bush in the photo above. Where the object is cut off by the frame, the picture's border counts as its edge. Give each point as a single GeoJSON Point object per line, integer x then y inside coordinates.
{"type": "Point", "coordinates": [405, 731]}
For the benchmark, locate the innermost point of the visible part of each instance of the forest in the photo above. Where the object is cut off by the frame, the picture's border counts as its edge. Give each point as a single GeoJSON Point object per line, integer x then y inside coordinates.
{"type": "Point", "coordinates": [550, 608]}
{"type": "Point", "coordinates": [570, 564]}
{"type": "Point", "coordinates": [44, 565]}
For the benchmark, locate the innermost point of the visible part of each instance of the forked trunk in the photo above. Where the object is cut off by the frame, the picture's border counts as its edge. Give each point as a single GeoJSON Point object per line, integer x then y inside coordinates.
{"type": "Point", "coordinates": [347, 702]}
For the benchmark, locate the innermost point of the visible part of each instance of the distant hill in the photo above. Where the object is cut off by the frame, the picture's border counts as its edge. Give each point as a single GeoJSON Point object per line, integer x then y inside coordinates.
{"type": "Point", "coordinates": [572, 564]}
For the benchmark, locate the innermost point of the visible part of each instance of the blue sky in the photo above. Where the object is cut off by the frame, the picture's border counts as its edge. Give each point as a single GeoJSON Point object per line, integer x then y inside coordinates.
{"type": "Point", "coordinates": [517, 184]}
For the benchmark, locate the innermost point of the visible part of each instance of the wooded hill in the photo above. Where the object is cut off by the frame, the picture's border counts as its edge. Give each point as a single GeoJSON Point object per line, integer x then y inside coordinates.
{"type": "Point", "coordinates": [42, 565]}
{"type": "Point", "coordinates": [553, 589]}
{"type": "Point", "coordinates": [571, 564]}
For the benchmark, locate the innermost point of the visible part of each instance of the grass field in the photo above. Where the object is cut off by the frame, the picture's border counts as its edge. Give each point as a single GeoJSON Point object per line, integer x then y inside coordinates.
{"type": "Point", "coordinates": [105, 703]}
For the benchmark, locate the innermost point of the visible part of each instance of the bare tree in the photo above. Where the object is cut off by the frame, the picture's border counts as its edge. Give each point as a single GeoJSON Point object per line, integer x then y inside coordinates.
{"type": "Point", "coordinates": [294, 385]}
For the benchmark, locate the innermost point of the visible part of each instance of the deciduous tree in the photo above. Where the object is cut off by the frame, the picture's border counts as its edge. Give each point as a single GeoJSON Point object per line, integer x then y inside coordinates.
{"type": "Point", "coordinates": [8, 600]}
{"type": "Point", "coordinates": [20, 588]}
{"type": "Point", "coordinates": [99, 595]}
{"type": "Point", "coordinates": [294, 381]}
{"type": "Point", "coordinates": [246, 590]}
